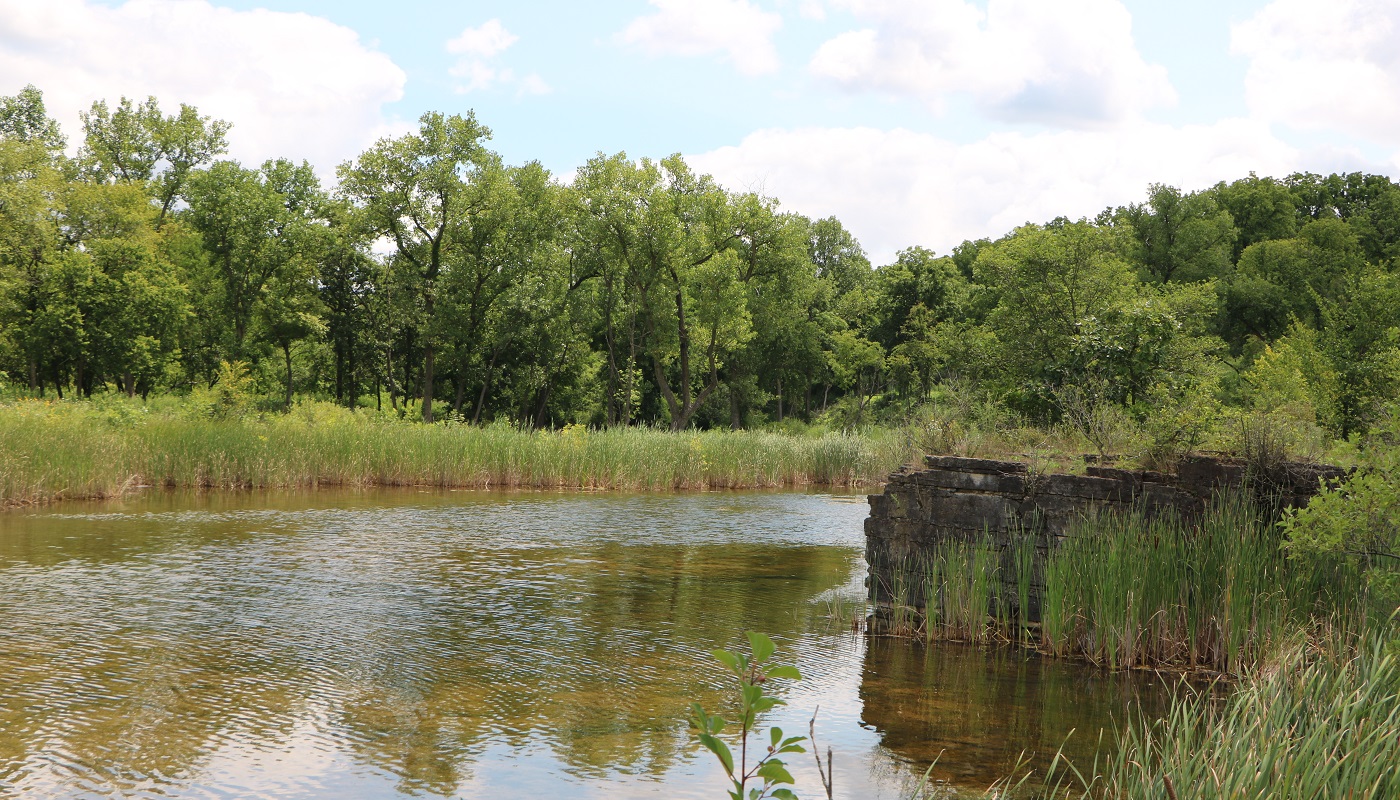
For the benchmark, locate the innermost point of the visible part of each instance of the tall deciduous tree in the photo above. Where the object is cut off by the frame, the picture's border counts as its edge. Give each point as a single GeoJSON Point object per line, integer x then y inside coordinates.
{"type": "Point", "coordinates": [415, 190]}
{"type": "Point", "coordinates": [24, 119]}
{"type": "Point", "coordinates": [1181, 238]}
{"type": "Point", "coordinates": [136, 143]}
{"type": "Point", "coordinates": [253, 225]}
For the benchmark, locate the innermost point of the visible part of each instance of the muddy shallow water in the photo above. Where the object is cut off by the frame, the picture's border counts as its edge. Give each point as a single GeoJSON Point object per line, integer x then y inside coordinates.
{"type": "Point", "coordinates": [475, 644]}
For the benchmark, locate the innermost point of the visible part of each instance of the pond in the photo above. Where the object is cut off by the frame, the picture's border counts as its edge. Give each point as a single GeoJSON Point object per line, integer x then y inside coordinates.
{"type": "Point", "coordinates": [380, 644]}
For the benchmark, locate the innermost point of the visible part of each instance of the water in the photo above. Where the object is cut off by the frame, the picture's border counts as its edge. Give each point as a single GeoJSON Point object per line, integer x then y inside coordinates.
{"type": "Point", "coordinates": [470, 644]}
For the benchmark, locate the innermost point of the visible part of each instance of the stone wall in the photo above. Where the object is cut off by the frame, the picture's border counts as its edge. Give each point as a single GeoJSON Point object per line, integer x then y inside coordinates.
{"type": "Point", "coordinates": [998, 502]}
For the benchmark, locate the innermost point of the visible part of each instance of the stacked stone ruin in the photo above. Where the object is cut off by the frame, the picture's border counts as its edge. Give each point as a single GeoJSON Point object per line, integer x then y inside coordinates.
{"type": "Point", "coordinates": [994, 503]}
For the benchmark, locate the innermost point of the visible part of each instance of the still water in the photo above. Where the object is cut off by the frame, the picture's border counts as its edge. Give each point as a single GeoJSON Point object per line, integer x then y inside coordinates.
{"type": "Point", "coordinates": [471, 644]}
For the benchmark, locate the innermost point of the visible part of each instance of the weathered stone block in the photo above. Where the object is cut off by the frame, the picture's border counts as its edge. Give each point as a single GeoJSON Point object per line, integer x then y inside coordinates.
{"type": "Point", "coordinates": [1127, 476]}
{"type": "Point", "coordinates": [974, 481]}
{"type": "Point", "coordinates": [1200, 475]}
{"type": "Point", "coordinates": [983, 465]}
{"type": "Point", "coordinates": [1085, 487]}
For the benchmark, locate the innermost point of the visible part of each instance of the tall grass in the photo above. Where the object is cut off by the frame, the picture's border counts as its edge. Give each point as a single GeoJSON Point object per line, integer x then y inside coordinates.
{"type": "Point", "coordinates": [52, 451]}
{"type": "Point", "coordinates": [1128, 590]}
{"type": "Point", "coordinates": [1317, 723]}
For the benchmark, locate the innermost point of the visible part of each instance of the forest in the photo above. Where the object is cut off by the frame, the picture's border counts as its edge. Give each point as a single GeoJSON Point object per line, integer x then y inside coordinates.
{"type": "Point", "coordinates": [435, 281]}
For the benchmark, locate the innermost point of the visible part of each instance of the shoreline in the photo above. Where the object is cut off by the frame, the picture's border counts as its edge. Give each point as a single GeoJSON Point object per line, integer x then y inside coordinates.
{"type": "Point", "coordinates": [147, 490]}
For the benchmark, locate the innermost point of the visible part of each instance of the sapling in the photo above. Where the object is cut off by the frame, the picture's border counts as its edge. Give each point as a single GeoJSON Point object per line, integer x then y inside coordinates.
{"type": "Point", "coordinates": [767, 776]}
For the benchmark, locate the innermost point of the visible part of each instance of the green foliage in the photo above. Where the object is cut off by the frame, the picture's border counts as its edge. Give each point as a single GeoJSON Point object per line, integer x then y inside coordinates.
{"type": "Point", "coordinates": [436, 279]}
{"type": "Point", "coordinates": [1358, 519]}
{"type": "Point", "coordinates": [767, 772]}
{"type": "Point", "coordinates": [1181, 238]}
{"type": "Point", "coordinates": [24, 118]}
{"type": "Point", "coordinates": [231, 397]}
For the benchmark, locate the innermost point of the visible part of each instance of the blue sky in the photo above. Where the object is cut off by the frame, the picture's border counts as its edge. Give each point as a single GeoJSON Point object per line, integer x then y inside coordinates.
{"type": "Point", "coordinates": [914, 121]}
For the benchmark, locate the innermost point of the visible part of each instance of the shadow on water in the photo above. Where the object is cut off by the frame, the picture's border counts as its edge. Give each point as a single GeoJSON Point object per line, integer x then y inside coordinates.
{"type": "Point", "coordinates": [463, 644]}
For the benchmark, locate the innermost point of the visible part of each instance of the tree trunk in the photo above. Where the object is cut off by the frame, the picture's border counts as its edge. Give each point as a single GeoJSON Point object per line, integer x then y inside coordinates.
{"type": "Point", "coordinates": [429, 357]}
{"type": "Point", "coordinates": [287, 353]}
{"type": "Point", "coordinates": [389, 375]}
{"type": "Point", "coordinates": [735, 420]}
{"type": "Point", "coordinates": [129, 384]}
{"type": "Point", "coordinates": [34, 377]}
{"type": "Point", "coordinates": [780, 399]}
{"type": "Point", "coordinates": [544, 404]}
{"type": "Point", "coordinates": [339, 372]}
{"type": "Point", "coordinates": [485, 384]}
{"type": "Point", "coordinates": [627, 386]}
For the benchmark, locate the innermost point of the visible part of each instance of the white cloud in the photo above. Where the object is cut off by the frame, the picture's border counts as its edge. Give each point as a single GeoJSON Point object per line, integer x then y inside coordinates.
{"type": "Point", "coordinates": [899, 188]}
{"type": "Point", "coordinates": [1066, 63]}
{"type": "Point", "coordinates": [491, 39]}
{"type": "Point", "coordinates": [1333, 65]}
{"type": "Point", "coordinates": [476, 49]}
{"type": "Point", "coordinates": [294, 85]}
{"type": "Point", "coordinates": [533, 84]}
{"type": "Point", "coordinates": [741, 31]}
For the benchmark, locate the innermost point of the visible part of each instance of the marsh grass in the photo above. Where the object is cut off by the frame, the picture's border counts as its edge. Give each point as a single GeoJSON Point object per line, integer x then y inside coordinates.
{"type": "Point", "coordinates": [83, 450]}
{"type": "Point", "coordinates": [1320, 721]}
{"type": "Point", "coordinates": [1128, 590]}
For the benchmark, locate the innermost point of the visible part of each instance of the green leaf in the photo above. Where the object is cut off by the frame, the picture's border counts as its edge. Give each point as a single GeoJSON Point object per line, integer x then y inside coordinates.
{"type": "Point", "coordinates": [785, 671]}
{"type": "Point", "coordinates": [721, 751]}
{"type": "Point", "coordinates": [733, 662]}
{"type": "Point", "coordinates": [775, 735]}
{"type": "Point", "coordinates": [774, 771]}
{"type": "Point", "coordinates": [790, 748]}
{"type": "Point", "coordinates": [763, 647]}
{"type": "Point", "coordinates": [783, 794]}
{"type": "Point", "coordinates": [762, 704]}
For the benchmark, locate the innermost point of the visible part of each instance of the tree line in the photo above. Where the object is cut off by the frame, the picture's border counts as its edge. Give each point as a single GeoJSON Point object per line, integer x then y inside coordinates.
{"type": "Point", "coordinates": [438, 280]}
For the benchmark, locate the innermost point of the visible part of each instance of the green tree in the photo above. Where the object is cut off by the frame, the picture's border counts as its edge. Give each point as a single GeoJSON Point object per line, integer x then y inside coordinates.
{"type": "Point", "coordinates": [137, 144]}
{"type": "Point", "coordinates": [1181, 238]}
{"type": "Point", "coordinates": [1281, 280]}
{"type": "Point", "coordinates": [1361, 338]}
{"type": "Point", "coordinates": [29, 243]}
{"type": "Point", "coordinates": [1070, 312]}
{"type": "Point", "coordinates": [23, 118]}
{"type": "Point", "coordinates": [254, 224]}
{"type": "Point", "coordinates": [415, 190]}
{"type": "Point", "coordinates": [1261, 208]}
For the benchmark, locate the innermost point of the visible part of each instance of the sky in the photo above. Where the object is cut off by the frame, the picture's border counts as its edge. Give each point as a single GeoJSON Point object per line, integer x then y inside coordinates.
{"type": "Point", "coordinates": [915, 122]}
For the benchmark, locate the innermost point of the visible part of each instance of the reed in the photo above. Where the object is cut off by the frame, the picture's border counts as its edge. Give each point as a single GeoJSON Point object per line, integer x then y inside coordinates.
{"type": "Point", "coordinates": [1320, 721]}
{"type": "Point", "coordinates": [1126, 590]}
{"type": "Point", "coordinates": [70, 450]}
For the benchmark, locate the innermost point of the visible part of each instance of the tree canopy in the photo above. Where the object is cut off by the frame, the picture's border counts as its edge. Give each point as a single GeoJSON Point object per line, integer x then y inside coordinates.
{"type": "Point", "coordinates": [437, 279]}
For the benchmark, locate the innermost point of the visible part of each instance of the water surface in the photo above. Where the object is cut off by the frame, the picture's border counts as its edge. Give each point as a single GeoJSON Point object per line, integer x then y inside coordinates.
{"type": "Point", "coordinates": [471, 644]}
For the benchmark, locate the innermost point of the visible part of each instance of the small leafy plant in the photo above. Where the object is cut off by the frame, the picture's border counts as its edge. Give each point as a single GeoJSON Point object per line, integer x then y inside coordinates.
{"type": "Point", "coordinates": [767, 773]}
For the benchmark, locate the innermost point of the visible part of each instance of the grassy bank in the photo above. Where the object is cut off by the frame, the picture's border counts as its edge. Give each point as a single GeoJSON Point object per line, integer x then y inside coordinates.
{"type": "Point", "coordinates": [1125, 590]}
{"type": "Point", "coordinates": [67, 450]}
